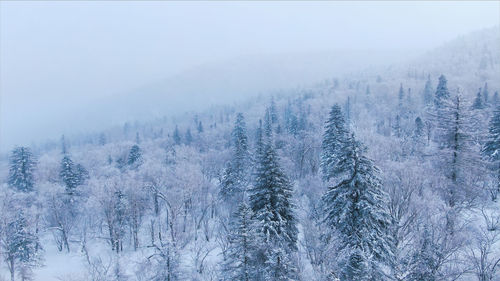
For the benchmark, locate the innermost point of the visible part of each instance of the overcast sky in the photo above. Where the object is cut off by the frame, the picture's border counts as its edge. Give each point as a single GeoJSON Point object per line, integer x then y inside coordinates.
{"type": "Point", "coordinates": [59, 54]}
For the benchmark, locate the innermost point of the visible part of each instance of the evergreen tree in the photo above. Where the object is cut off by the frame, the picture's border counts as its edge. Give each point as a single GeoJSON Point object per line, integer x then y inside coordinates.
{"type": "Point", "coordinates": [271, 202]}
{"type": "Point", "coordinates": [428, 91]}
{"type": "Point", "coordinates": [177, 136]}
{"type": "Point", "coordinates": [273, 112]}
{"type": "Point", "coordinates": [356, 208]}
{"type": "Point", "coordinates": [491, 149]}
{"type": "Point", "coordinates": [235, 176]}
{"type": "Point", "coordinates": [22, 248]}
{"type": "Point", "coordinates": [486, 94]}
{"type": "Point", "coordinates": [442, 92]}
{"type": "Point", "coordinates": [495, 99]}
{"type": "Point", "coordinates": [241, 257]}
{"type": "Point", "coordinates": [424, 265]}
{"type": "Point", "coordinates": [189, 137]}
{"type": "Point", "coordinates": [333, 142]}
{"type": "Point", "coordinates": [68, 175]}
{"type": "Point", "coordinates": [21, 170]}
{"type": "Point", "coordinates": [401, 96]}
{"type": "Point", "coordinates": [200, 127]}
{"type": "Point", "coordinates": [134, 156]}
{"type": "Point", "coordinates": [478, 101]}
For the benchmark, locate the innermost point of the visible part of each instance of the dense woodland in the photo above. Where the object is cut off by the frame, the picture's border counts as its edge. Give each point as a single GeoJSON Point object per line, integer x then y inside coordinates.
{"type": "Point", "coordinates": [384, 174]}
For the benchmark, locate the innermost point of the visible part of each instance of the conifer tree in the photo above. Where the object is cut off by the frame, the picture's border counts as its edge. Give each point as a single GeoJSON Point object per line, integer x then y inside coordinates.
{"type": "Point", "coordinates": [134, 156]}
{"type": "Point", "coordinates": [401, 96]}
{"type": "Point", "coordinates": [244, 241]}
{"type": "Point", "coordinates": [495, 99]}
{"type": "Point", "coordinates": [486, 94]}
{"type": "Point", "coordinates": [68, 175]}
{"type": "Point", "coordinates": [21, 248]}
{"type": "Point", "coordinates": [478, 101]}
{"type": "Point", "coordinates": [177, 136]}
{"type": "Point", "coordinates": [428, 91]}
{"type": "Point", "coordinates": [424, 265]}
{"type": "Point", "coordinates": [21, 169]}
{"type": "Point", "coordinates": [271, 202]}
{"type": "Point", "coordinates": [200, 127]}
{"type": "Point", "coordinates": [491, 149]}
{"type": "Point", "coordinates": [189, 137]}
{"type": "Point", "coordinates": [235, 176]}
{"type": "Point", "coordinates": [442, 92]}
{"type": "Point", "coordinates": [356, 208]}
{"type": "Point", "coordinates": [333, 141]}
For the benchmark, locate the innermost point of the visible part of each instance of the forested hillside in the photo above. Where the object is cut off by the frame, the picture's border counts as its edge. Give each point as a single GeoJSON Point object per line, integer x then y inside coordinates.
{"type": "Point", "coordinates": [386, 173]}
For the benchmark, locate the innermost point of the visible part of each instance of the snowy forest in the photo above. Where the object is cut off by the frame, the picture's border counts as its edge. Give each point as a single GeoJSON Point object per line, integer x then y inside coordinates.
{"type": "Point", "coordinates": [385, 173]}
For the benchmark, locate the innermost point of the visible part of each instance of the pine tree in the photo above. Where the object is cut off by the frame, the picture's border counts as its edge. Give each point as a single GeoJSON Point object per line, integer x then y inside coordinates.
{"type": "Point", "coordinates": [134, 156]}
{"type": "Point", "coordinates": [273, 112]}
{"type": "Point", "coordinates": [235, 176]}
{"type": "Point", "coordinates": [356, 208]}
{"type": "Point", "coordinates": [486, 94]}
{"type": "Point", "coordinates": [21, 170]}
{"type": "Point", "coordinates": [401, 96]}
{"type": "Point", "coordinates": [200, 127]}
{"type": "Point", "coordinates": [241, 256]}
{"type": "Point", "coordinates": [491, 149]}
{"type": "Point", "coordinates": [271, 202]}
{"type": "Point", "coordinates": [189, 137]}
{"type": "Point", "coordinates": [333, 142]}
{"type": "Point", "coordinates": [68, 175]}
{"type": "Point", "coordinates": [22, 248]}
{"type": "Point", "coordinates": [424, 265]}
{"type": "Point", "coordinates": [442, 92]}
{"type": "Point", "coordinates": [177, 136]}
{"type": "Point", "coordinates": [428, 91]}
{"type": "Point", "coordinates": [495, 99]}
{"type": "Point", "coordinates": [478, 101]}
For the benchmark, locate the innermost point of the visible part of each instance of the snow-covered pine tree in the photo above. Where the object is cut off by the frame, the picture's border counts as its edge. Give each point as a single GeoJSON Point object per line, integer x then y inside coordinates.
{"type": "Point", "coordinates": [21, 248]}
{"type": "Point", "coordinates": [333, 143]}
{"type": "Point", "coordinates": [428, 91]}
{"type": "Point", "coordinates": [244, 242]}
{"type": "Point", "coordinates": [442, 92]}
{"type": "Point", "coordinates": [356, 208]}
{"type": "Point", "coordinates": [478, 101]}
{"type": "Point", "coordinates": [189, 137]}
{"type": "Point", "coordinates": [424, 262]}
{"type": "Point", "coordinates": [21, 169]}
{"type": "Point", "coordinates": [491, 150]}
{"type": "Point", "coordinates": [401, 95]}
{"type": "Point", "coordinates": [486, 94]}
{"type": "Point", "coordinates": [134, 155]}
{"type": "Point", "coordinates": [68, 175]}
{"type": "Point", "coordinates": [236, 176]}
{"type": "Point", "coordinates": [271, 202]}
{"type": "Point", "coordinates": [495, 99]}
{"type": "Point", "coordinates": [177, 136]}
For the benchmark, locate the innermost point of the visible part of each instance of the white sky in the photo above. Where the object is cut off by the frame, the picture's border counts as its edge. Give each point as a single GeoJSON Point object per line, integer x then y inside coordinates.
{"type": "Point", "coordinates": [56, 55]}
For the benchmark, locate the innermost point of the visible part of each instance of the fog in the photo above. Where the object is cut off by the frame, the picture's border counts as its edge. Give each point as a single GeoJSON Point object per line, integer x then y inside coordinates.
{"type": "Point", "coordinates": [73, 67]}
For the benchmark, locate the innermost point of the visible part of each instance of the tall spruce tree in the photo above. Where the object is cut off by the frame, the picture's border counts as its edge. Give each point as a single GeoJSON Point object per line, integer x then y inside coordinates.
{"type": "Point", "coordinates": [244, 241]}
{"type": "Point", "coordinates": [442, 92]}
{"type": "Point", "coordinates": [478, 101]}
{"type": "Point", "coordinates": [68, 174]}
{"type": "Point", "coordinates": [356, 208]}
{"type": "Point", "coordinates": [236, 176]}
{"type": "Point", "coordinates": [333, 143]}
{"type": "Point", "coordinates": [177, 136]}
{"type": "Point", "coordinates": [271, 202]}
{"type": "Point", "coordinates": [22, 248]}
{"type": "Point", "coordinates": [428, 91]}
{"type": "Point", "coordinates": [21, 169]}
{"type": "Point", "coordinates": [486, 94]}
{"type": "Point", "coordinates": [491, 150]}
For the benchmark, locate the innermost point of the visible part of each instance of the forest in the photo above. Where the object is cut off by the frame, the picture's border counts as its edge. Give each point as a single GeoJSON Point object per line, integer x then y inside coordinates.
{"type": "Point", "coordinates": [387, 173]}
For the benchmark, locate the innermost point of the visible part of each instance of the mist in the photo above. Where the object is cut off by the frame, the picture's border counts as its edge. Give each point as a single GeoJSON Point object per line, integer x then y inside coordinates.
{"type": "Point", "coordinates": [69, 68]}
